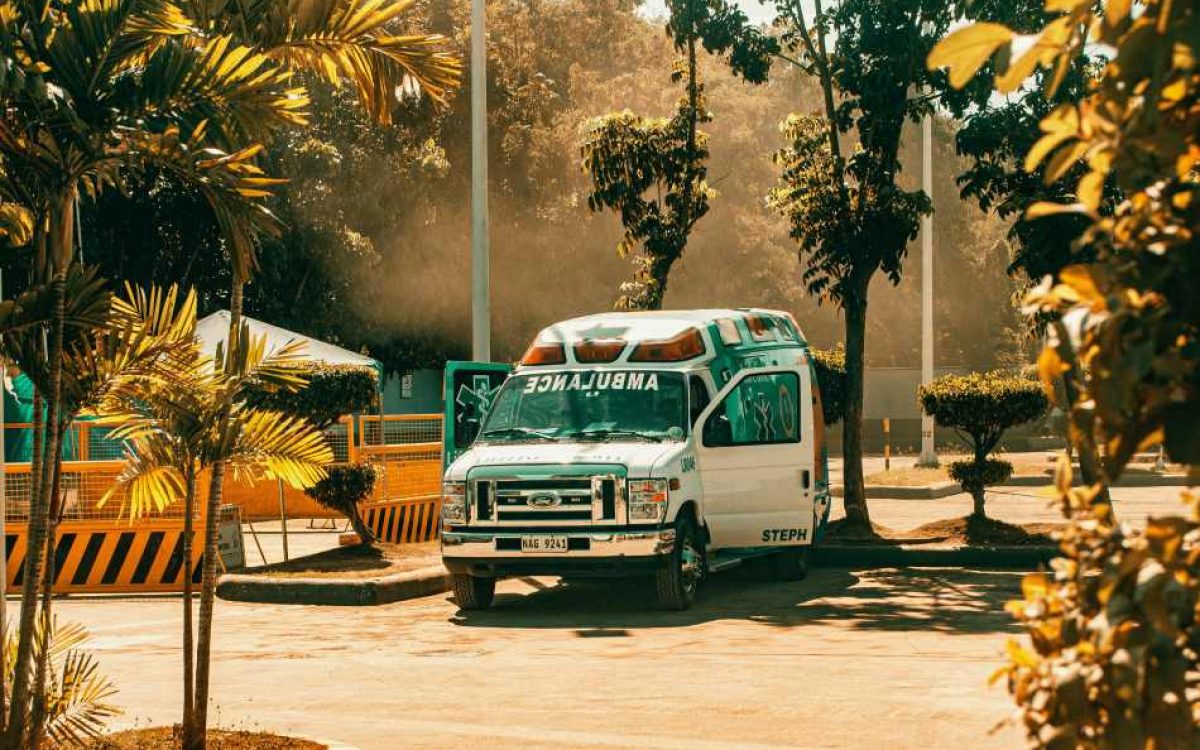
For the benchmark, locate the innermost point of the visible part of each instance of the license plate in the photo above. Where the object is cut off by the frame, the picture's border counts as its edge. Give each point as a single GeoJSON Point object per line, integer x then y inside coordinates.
{"type": "Point", "coordinates": [543, 544]}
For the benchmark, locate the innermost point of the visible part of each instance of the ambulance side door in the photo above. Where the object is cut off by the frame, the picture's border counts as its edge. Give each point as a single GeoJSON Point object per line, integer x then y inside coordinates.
{"type": "Point", "coordinates": [754, 453]}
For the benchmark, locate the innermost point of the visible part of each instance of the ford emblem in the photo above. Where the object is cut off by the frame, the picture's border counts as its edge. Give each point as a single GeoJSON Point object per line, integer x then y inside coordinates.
{"type": "Point", "coordinates": [544, 500]}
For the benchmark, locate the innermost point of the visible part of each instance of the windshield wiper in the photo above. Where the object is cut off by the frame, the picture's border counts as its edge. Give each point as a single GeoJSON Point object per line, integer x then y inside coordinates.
{"type": "Point", "coordinates": [515, 432]}
{"type": "Point", "coordinates": [610, 433]}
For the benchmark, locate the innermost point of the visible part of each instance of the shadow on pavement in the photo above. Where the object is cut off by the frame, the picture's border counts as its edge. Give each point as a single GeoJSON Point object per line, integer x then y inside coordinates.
{"type": "Point", "coordinates": [941, 600]}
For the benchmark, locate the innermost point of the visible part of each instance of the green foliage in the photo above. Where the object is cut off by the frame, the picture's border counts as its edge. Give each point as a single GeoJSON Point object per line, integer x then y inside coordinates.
{"type": "Point", "coordinates": [345, 486]}
{"type": "Point", "coordinates": [981, 406]}
{"type": "Point", "coordinates": [974, 476]}
{"type": "Point", "coordinates": [646, 172]}
{"type": "Point", "coordinates": [1115, 629]}
{"type": "Point", "coordinates": [723, 29]}
{"type": "Point", "coordinates": [76, 693]}
{"type": "Point", "coordinates": [652, 171]}
{"type": "Point", "coordinates": [329, 393]}
{"type": "Point", "coordinates": [830, 365]}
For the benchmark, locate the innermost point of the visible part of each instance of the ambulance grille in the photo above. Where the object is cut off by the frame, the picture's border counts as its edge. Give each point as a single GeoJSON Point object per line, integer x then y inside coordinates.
{"type": "Point", "coordinates": [551, 501]}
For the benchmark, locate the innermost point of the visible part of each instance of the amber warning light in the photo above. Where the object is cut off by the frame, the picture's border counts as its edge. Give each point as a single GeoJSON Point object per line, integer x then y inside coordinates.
{"type": "Point", "coordinates": [686, 345]}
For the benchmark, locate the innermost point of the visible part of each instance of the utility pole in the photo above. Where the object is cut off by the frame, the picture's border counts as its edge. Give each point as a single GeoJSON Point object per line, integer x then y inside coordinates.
{"type": "Point", "coordinates": [928, 455]}
{"type": "Point", "coordinates": [481, 323]}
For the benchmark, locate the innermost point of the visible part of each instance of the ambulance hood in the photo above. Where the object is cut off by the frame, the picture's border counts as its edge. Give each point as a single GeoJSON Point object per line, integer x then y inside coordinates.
{"type": "Point", "coordinates": [638, 457]}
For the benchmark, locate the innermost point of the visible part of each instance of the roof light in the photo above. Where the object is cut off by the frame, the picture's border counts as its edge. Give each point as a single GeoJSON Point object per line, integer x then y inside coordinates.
{"type": "Point", "coordinates": [544, 354]}
{"type": "Point", "coordinates": [685, 346]}
{"type": "Point", "coordinates": [761, 327]}
{"type": "Point", "coordinates": [730, 335]}
{"type": "Point", "coordinates": [605, 350]}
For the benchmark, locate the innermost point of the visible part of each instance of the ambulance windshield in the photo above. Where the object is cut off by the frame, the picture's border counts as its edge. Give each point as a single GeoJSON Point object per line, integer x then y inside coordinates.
{"type": "Point", "coordinates": [589, 405]}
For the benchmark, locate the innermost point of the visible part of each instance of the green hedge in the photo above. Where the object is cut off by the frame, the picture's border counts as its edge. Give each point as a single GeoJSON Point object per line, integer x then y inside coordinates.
{"type": "Point", "coordinates": [830, 365]}
{"type": "Point", "coordinates": [980, 407]}
{"type": "Point", "coordinates": [332, 392]}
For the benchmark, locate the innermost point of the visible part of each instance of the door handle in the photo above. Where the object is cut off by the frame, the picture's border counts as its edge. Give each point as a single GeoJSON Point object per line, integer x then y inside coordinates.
{"type": "Point", "coordinates": [805, 479]}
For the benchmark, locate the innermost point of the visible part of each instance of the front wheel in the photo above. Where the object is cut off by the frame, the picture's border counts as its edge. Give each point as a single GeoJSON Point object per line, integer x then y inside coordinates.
{"type": "Point", "coordinates": [473, 592]}
{"type": "Point", "coordinates": [679, 578]}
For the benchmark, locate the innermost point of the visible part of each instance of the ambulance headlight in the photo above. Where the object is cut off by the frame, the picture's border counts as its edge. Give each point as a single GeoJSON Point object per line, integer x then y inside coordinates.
{"type": "Point", "coordinates": [648, 500]}
{"type": "Point", "coordinates": [454, 502]}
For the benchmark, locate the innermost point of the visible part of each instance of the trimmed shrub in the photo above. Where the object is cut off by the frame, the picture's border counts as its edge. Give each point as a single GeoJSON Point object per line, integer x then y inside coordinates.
{"type": "Point", "coordinates": [830, 365]}
{"type": "Point", "coordinates": [344, 487]}
{"type": "Point", "coordinates": [980, 407]}
{"type": "Point", "coordinates": [331, 392]}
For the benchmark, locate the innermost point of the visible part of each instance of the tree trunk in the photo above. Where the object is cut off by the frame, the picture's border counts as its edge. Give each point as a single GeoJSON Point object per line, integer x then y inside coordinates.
{"type": "Point", "coordinates": [978, 493]}
{"type": "Point", "coordinates": [208, 581]}
{"type": "Point", "coordinates": [365, 535]}
{"type": "Point", "coordinates": [61, 240]}
{"type": "Point", "coordinates": [38, 713]}
{"type": "Point", "coordinates": [855, 497]}
{"type": "Point", "coordinates": [189, 654]}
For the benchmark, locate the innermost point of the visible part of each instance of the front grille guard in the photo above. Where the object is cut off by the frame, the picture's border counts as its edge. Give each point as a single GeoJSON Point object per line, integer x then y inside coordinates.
{"type": "Point", "coordinates": [483, 508]}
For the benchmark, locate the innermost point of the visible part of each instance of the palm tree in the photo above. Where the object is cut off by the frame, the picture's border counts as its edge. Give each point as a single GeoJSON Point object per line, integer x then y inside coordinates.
{"type": "Point", "coordinates": [95, 92]}
{"type": "Point", "coordinates": [178, 431]}
{"type": "Point", "coordinates": [343, 42]}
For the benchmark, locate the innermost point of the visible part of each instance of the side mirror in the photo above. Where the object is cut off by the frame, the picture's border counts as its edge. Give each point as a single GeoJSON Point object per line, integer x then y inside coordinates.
{"type": "Point", "coordinates": [717, 430]}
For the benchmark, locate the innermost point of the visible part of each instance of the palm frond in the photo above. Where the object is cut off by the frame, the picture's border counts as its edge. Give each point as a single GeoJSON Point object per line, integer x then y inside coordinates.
{"type": "Point", "coordinates": [150, 479]}
{"type": "Point", "coordinates": [351, 42]}
{"type": "Point", "coordinates": [272, 445]}
{"type": "Point", "coordinates": [76, 692]}
{"type": "Point", "coordinates": [16, 224]}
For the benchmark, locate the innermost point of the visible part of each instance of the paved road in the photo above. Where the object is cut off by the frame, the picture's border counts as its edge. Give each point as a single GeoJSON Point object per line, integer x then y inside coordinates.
{"type": "Point", "coordinates": [846, 659]}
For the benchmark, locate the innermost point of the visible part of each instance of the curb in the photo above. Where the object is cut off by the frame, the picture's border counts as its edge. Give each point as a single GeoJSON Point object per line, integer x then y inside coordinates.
{"type": "Point", "coordinates": [896, 492]}
{"type": "Point", "coordinates": [334, 591]}
{"type": "Point", "coordinates": [905, 555]}
{"type": "Point", "coordinates": [938, 490]}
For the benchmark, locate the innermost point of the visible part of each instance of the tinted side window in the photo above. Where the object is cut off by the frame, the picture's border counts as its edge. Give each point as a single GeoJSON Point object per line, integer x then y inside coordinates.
{"type": "Point", "coordinates": [699, 398]}
{"type": "Point", "coordinates": [761, 410]}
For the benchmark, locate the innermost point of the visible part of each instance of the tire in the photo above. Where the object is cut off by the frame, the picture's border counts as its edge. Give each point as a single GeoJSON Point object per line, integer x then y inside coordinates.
{"type": "Point", "coordinates": [473, 592]}
{"type": "Point", "coordinates": [679, 579]}
{"type": "Point", "coordinates": [790, 563]}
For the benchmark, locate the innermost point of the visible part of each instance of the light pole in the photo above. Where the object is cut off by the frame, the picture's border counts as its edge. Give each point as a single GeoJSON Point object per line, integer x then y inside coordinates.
{"type": "Point", "coordinates": [481, 324]}
{"type": "Point", "coordinates": [928, 455]}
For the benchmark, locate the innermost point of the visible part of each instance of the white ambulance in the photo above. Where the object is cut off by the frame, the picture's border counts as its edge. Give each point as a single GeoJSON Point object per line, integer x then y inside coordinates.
{"type": "Point", "coordinates": [670, 444]}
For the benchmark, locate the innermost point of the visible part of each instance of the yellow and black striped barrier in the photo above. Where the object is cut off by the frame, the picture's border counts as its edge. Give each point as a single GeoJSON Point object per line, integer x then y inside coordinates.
{"type": "Point", "coordinates": [404, 521]}
{"type": "Point", "coordinates": [111, 556]}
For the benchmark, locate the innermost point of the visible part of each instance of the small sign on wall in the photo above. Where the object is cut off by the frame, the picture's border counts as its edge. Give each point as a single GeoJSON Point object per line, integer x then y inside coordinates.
{"type": "Point", "coordinates": [406, 385]}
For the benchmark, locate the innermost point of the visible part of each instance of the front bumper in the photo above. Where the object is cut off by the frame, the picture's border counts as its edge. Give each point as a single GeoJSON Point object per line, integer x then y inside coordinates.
{"type": "Point", "coordinates": [591, 553]}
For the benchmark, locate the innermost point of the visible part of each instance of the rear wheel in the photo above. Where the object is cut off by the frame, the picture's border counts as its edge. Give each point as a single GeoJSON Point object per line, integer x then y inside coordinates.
{"type": "Point", "coordinates": [679, 579]}
{"type": "Point", "coordinates": [473, 592]}
{"type": "Point", "coordinates": [790, 563]}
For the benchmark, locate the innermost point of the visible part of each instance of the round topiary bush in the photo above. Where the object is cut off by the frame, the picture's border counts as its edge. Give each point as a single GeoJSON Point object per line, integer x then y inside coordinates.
{"type": "Point", "coordinates": [329, 393]}
{"type": "Point", "coordinates": [980, 407]}
{"type": "Point", "coordinates": [343, 488]}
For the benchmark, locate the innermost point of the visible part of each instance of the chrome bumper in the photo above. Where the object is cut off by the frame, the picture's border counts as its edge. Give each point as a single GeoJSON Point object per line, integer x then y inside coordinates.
{"type": "Point", "coordinates": [476, 545]}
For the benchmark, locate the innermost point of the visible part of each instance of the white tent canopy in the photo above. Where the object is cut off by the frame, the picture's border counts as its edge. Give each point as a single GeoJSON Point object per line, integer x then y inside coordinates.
{"type": "Point", "coordinates": [213, 331]}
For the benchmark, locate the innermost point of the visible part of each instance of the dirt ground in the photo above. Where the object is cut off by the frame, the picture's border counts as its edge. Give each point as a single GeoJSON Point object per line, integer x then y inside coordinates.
{"type": "Point", "coordinates": [166, 738]}
{"type": "Point", "coordinates": [846, 659]}
{"type": "Point", "coordinates": [356, 561]}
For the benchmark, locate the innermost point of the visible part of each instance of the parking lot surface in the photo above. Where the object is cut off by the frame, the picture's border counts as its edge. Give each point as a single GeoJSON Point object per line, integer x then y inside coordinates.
{"type": "Point", "coordinates": [845, 659]}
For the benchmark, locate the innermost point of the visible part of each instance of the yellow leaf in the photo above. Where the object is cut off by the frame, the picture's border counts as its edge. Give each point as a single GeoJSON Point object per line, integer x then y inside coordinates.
{"type": "Point", "coordinates": [1035, 585]}
{"type": "Point", "coordinates": [1044, 146]}
{"type": "Point", "coordinates": [1064, 160]}
{"type": "Point", "coordinates": [1091, 189]}
{"type": "Point", "coordinates": [1080, 278]}
{"type": "Point", "coordinates": [1116, 11]}
{"type": "Point", "coordinates": [966, 50]}
{"type": "Point", "coordinates": [1046, 208]}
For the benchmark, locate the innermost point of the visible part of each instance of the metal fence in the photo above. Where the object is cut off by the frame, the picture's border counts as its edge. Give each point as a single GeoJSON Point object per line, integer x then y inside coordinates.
{"type": "Point", "coordinates": [406, 448]}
